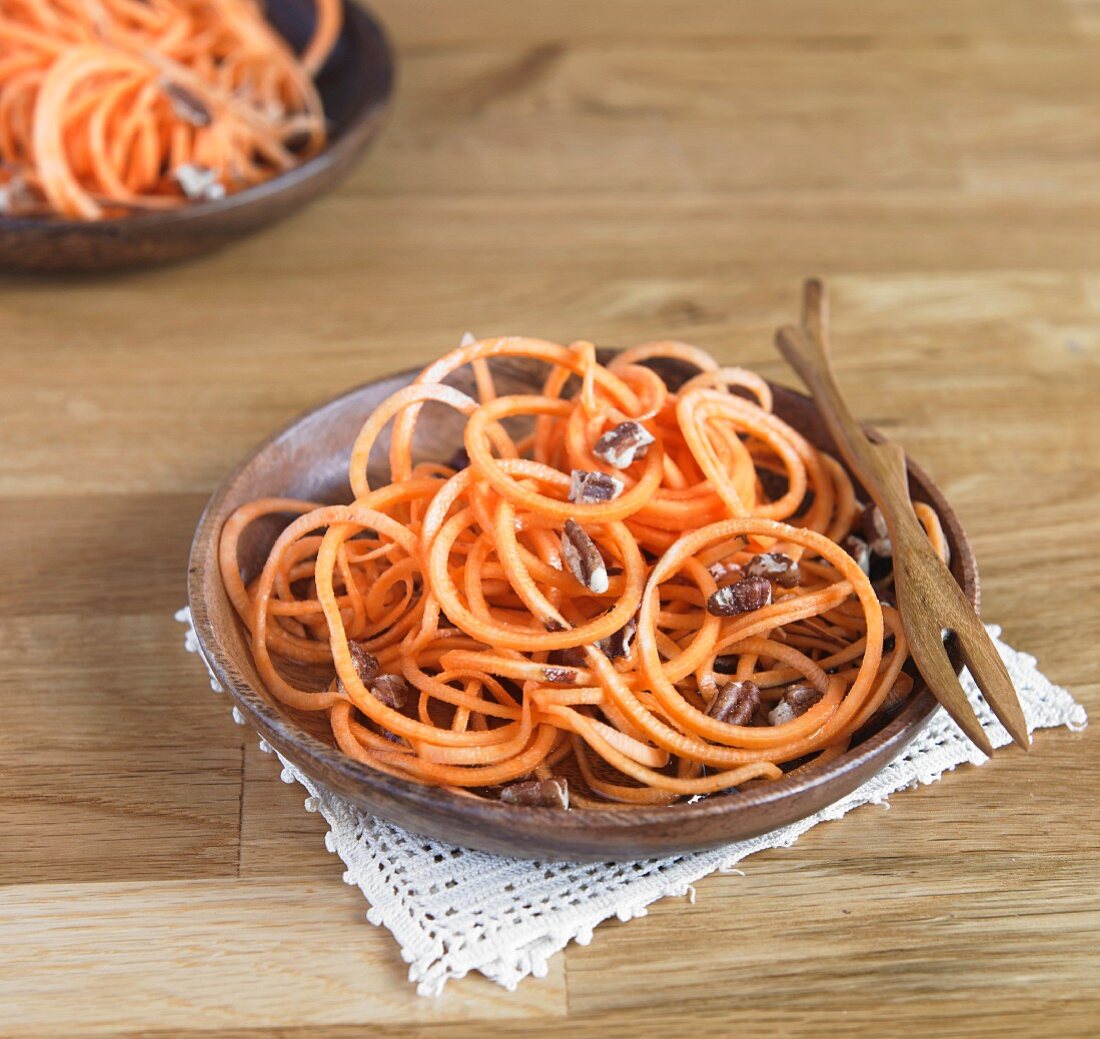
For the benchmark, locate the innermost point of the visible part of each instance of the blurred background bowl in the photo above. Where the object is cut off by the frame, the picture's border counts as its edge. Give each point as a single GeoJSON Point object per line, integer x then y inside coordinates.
{"type": "Point", "coordinates": [355, 85]}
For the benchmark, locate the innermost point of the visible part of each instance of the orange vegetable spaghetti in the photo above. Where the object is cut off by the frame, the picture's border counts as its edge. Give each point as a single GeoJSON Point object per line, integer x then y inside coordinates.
{"type": "Point", "coordinates": [111, 106]}
{"type": "Point", "coordinates": [644, 598]}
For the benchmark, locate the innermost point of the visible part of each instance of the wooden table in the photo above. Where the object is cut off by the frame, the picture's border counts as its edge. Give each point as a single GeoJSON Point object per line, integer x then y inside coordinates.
{"type": "Point", "coordinates": [619, 171]}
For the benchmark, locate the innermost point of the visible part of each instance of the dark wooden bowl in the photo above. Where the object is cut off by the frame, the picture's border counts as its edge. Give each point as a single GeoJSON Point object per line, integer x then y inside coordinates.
{"type": "Point", "coordinates": [355, 85]}
{"type": "Point", "coordinates": [309, 460]}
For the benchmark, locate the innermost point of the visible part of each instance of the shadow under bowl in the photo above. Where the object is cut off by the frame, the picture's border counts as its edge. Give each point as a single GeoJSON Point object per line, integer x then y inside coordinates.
{"type": "Point", "coordinates": [355, 86]}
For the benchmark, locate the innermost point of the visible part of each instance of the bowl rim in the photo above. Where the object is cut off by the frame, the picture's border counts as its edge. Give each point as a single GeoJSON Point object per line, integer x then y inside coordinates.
{"type": "Point", "coordinates": [355, 134]}
{"type": "Point", "coordinates": [315, 757]}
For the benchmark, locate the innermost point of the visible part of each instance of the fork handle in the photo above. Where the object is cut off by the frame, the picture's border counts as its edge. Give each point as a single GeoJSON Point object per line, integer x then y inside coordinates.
{"type": "Point", "coordinates": [880, 467]}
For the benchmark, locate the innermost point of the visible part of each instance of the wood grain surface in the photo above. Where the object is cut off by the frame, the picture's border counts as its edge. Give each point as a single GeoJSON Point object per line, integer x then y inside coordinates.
{"type": "Point", "coordinates": [620, 171]}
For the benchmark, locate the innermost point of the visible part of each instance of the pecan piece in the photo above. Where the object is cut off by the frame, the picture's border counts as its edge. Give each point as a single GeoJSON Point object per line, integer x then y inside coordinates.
{"type": "Point", "coordinates": [796, 701]}
{"type": "Point", "coordinates": [583, 558]}
{"type": "Point", "coordinates": [859, 550]}
{"type": "Point", "coordinates": [559, 675]}
{"type": "Point", "coordinates": [537, 793]}
{"type": "Point", "coordinates": [190, 108]}
{"type": "Point", "coordinates": [17, 198]}
{"type": "Point", "coordinates": [618, 643]}
{"type": "Point", "coordinates": [390, 690]}
{"type": "Point", "coordinates": [720, 570]}
{"type": "Point", "coordinates": [873, 524]}
{"type": "Point", "coordinates": [621, 446]}
{"type": "Point", "coordinates": [198, 183]}
{"type": "Point", "coordinates": [774, 484]}
{"type": "Point", "coordinates": [365, 664]}
{"type": "Point", "coordinates": [775, 567]}
{"type": "Point", "coordinates": [593, 488]}
{"type": "Point", "coordinates": [735, 703]}
{"type": "Point", "coordinates": [573, 656]}
{"type": "Point", "coordinates": [750, 593]}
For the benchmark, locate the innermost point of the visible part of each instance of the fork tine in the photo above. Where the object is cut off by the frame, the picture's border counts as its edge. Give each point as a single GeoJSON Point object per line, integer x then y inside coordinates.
{"type": "Point", "coordinates": [991, 676]}
{"type": "Point", "coordinates": [930, 656]}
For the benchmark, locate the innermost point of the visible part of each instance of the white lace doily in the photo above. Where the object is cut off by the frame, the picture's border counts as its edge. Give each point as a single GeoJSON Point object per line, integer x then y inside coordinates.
{"type": "Point", "coordinates": [453, 910]}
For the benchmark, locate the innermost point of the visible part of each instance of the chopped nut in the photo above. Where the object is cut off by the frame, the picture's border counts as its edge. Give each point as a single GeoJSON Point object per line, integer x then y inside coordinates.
{"type": "Point", "coordinates": [570, 657]}
{"type": "Point", "coordinates": [796, 701]}
{"type": "Point", "coordinates": [621, 446]}
{"type": "Point", "coordinates": [735, 703]}
{"type": "Point", "coordinates": [750, 593]}
{"type": "Point", "coordinates": [295, 140]}
{"type": "Point", "coordinates": [873, 524]}
{"type": "Point", "coordinates": [593, 488]}
{"type": "Point", "coordinates": [390, 690]}
{"type": "Point", "coordinates": [17, 198]}
{"type": "Point", "coordinates": [859, 550]}
{"type": "Point", "coordinates": [190, 108]}
{"type": "Point", "coordinates": [559, 675]}
{"type": "Point", "coordinates": [365, 664]}
{"type": "Point", "coordinates": [583, 558]}
{"type": "Point", "coordinates": [720, 570]}
{"type": "Point", "coordinates": [775, 484]}
{"type": "Point", "coordinates": [198, 183]}
{"type": "Point", "coordinates": [775, 567]}
{"type": "Point", "coordinates": [537, 793]}
{"type": "Point", "coordinates": [618, 643]}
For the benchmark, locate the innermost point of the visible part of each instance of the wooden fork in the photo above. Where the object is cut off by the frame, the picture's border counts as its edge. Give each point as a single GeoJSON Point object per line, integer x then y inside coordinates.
{"type": "Point", "coordinates": [931, 604]}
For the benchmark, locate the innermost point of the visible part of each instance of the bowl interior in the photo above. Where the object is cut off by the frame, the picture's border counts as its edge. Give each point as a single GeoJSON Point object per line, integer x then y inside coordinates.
{"type": "Point", "coordinates": [309, 460]}
{"type": "Point", "coordinates": [355, 72]}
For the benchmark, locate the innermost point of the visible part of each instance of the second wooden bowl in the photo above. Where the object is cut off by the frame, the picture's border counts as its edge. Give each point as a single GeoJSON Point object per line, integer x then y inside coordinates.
{"type": "Point", "coordinates": [355, 86]}
{"type": "Point", "coordinates": [309, 460]}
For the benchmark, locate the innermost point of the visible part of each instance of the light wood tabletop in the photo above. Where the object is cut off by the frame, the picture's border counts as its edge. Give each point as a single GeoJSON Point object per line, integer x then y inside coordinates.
{"type": "Point", "coordinates": [619, 171]}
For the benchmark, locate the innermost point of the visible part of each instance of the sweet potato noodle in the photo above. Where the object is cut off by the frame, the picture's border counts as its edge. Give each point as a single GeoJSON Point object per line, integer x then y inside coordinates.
{"type": "Point", "coordinates": [111, 106]}
{"type": "Point", "coordinates": [644, 599]}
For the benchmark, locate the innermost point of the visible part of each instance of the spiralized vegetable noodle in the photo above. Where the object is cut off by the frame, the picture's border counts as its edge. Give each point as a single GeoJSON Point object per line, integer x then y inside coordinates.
{"type": "Point", "coordinates": [112, 106]}
{"type": "Point", "coordinates": [644, 599]}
